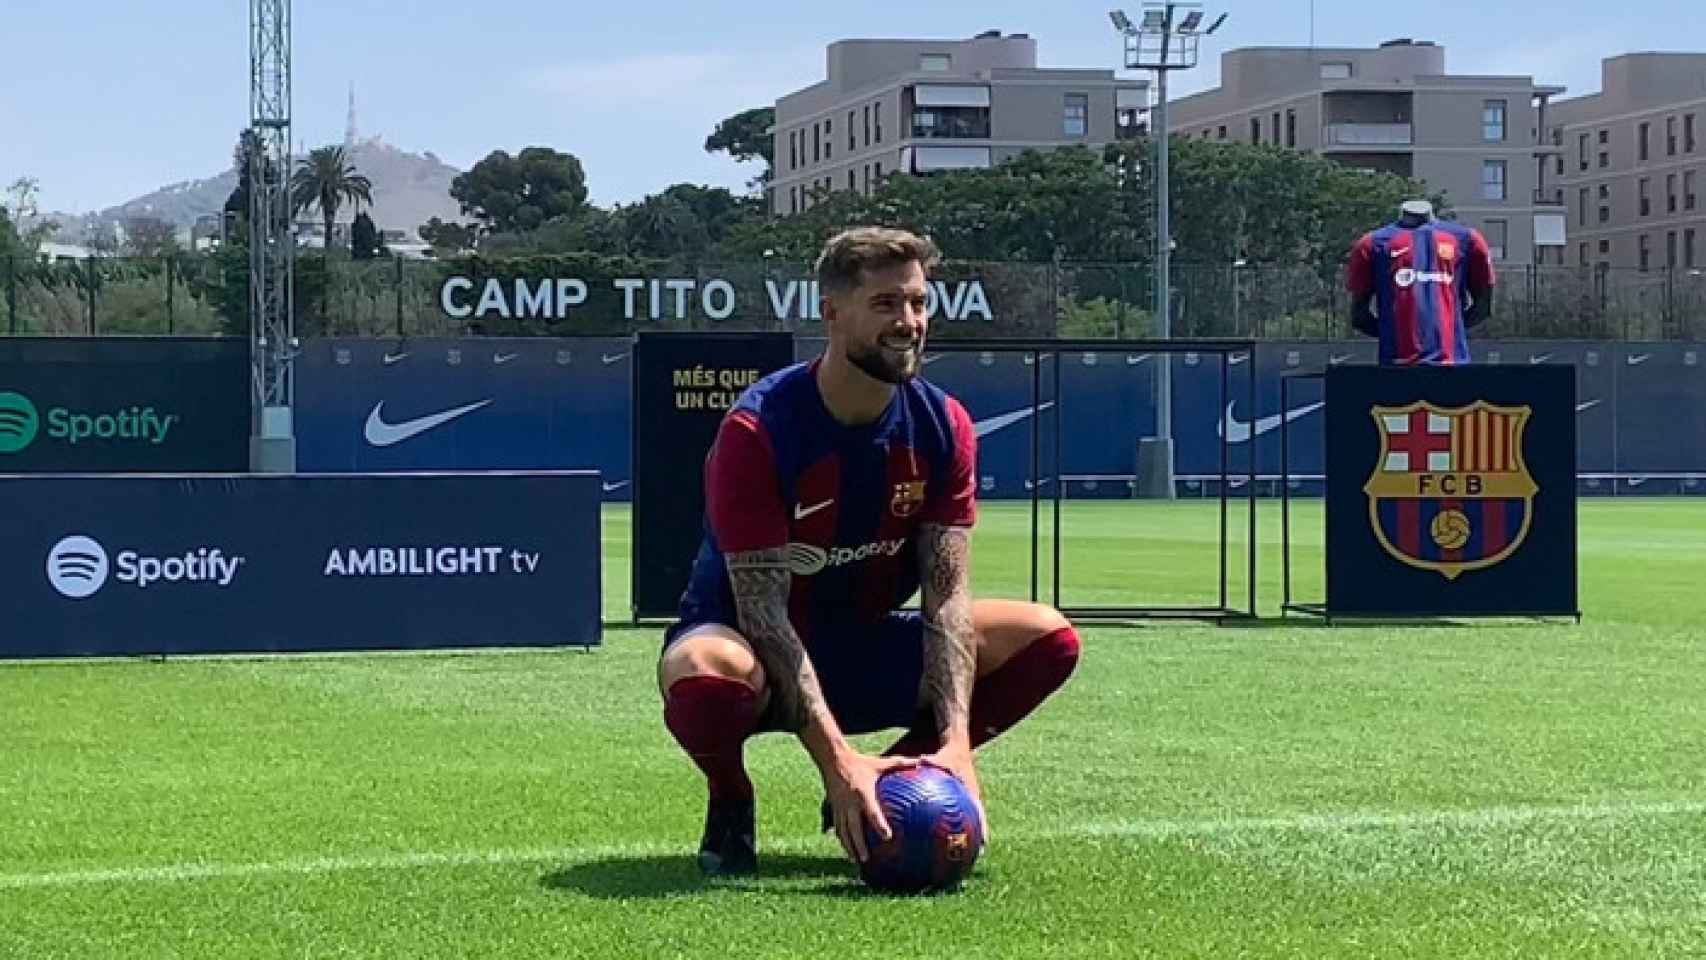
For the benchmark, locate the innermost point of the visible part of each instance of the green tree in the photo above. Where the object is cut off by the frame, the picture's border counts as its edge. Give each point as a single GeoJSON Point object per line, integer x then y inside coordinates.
{"type": "Point", "coordinates": [364, 238]}
{"type": "Point", "coordinates": [326, 179]}
{"type": "Point", "coordinates": [509, 194]}
{"type": "Point", "coordinates": [149, 236]}
{"type": "Point", "coordinates": [447, 239]}
{"type": "Point", "coordinates": [29, 227]}
{"type": "Point", "coordinates": [746, 136]}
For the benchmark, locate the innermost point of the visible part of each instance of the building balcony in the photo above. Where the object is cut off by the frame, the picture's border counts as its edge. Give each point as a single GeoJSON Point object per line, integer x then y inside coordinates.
{"type": "Point", "coordinates": [1362, 135]}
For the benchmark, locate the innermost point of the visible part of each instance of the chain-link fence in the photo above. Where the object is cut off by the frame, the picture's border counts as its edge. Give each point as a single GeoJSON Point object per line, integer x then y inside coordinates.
{"type": "Point", "coordinates": [598, 295]}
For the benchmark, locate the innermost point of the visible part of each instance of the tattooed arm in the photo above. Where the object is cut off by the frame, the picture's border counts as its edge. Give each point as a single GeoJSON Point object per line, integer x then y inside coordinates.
{"type": "Point", "coordinates": [950, 646]}
{"type": "Point", "coordinates": [760, 581]}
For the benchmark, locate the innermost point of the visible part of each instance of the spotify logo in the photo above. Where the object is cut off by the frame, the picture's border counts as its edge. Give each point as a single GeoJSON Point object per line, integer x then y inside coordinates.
{"type": "Point", "coordinates": [77, 567]}
{"type": "Point", "coordinates": [18, 422]}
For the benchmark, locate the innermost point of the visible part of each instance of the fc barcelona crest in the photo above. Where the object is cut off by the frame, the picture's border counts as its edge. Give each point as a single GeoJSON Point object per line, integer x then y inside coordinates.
{"type": "Point", "coordinates": [1450, 491]}
{"type": "Point", "coordinates": [908, 497]}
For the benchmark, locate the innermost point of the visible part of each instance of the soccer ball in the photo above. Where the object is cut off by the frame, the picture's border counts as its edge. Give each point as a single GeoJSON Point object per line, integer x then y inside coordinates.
{"type": "Point", "coordinates": [1450, 529]}
{"type": "Point", "coordinates": [937, 833]}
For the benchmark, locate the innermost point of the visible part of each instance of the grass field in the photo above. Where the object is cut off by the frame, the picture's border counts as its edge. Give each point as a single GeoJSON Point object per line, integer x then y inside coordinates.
{"type": "Point", "coordinates": [1515, 789]}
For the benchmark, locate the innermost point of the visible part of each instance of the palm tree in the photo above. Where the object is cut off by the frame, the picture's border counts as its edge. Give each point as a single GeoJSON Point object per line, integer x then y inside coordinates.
{"type": "Point", "coordinates": [327, 178]}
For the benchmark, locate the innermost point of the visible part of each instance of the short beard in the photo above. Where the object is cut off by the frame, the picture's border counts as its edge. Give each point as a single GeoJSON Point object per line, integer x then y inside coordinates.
{"type": "Point", "coordinates": [880, 364]}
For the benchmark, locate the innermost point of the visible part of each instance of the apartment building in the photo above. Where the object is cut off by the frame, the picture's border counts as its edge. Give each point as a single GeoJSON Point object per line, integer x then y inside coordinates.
{"type": "Point", "coordinates": [911, 107]}
{"type": "Point", "coordinates": [1477, 139]}
{"type": "Point", "coordinates": [1631, 164]}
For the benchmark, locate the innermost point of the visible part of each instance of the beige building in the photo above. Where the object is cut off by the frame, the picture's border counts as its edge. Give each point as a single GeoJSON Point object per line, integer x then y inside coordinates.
{"type": "Point", "coordinates": [1477, 139]}
{"type": "Point", "coordinates": [1632, 164]}
{"type": "Point", "coordinates": [916, 106]}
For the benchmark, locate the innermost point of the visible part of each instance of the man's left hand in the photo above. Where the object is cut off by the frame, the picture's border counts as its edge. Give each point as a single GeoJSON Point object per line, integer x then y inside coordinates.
{"type": "Point", "coordinates": [957, 759]}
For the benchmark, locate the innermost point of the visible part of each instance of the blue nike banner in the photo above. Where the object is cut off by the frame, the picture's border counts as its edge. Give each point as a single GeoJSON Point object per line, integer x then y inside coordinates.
{"type": "Point", "coordinates": [182, 564]}
{"type": "Point", "coordinates": [565, 403]}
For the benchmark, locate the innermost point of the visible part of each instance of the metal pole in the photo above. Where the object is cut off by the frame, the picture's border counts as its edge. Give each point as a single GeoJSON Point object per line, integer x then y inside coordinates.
{"type": "Point", "coordinates": [171, 278]}
{"type": "Point", "coordinates": [12, 295]}
{"type": "Point", "coordinates": [1163, 258]}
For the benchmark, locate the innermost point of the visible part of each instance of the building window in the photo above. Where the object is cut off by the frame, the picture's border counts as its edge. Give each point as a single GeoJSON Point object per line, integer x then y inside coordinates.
{"type": "Point", "coordinates": [1670, 136]}
{"type": "Point", "coordinates": [1275, 130]}
{"type": "Point", "coordinates": [935, 62]}
{"type": "Point", "coordinates": [867, 124]}
{"type": "Point", "coordinates": [1560, 170]}
{"type": "Point", "coordinates": [1604, 137]}
{"type": "Point", "coordinates": [867, 175]}
{"type": "Point", "coordinates": [1670, 193]}
{"type": "Point", "coordinates": [793, 150]}
{"type": "Point", "coordinates": [828, 138]}
{"type": "Point", "coordinates": [1688, 248]}
{"type": "Point", "coordinates": [1605, 247]}
{"type": "Point", "coordinates": [963, 123]}
{"type": "Point", "coordinates": [1670, 249]}
{"type": "Point", "coordinates": [817, 144]}
{"type": "Point", "coordinates": [1336, 70]}
{"type": "Point", "coordinates": [1641, 141]}
{"type": "Point", "coordinates": [1582, 195]}
{"type": "Point", "coordinates": [1604, 214]}
{"type": "Point", "coordinates": [1255, 129]}
{"type": "Point", "coordinates": [1493, 121]}
{"type": "Point", "coordinates": [1582, 149]}
{"type": "Point", "coordinates": [851, 144]}
{"type": "Point", "coordinates": [852, 181]}
{"type": "Point", "coordinates": [1583, 253]}
{"type": "Point", "coordinates": [1492, 179]}
{"type": "Point", "coordinates": [1688, 189]}
{"type": "Point", "coordinates": [1220, 133]}
{"type": "Point", "coordinates": [1604, 159]}
{"type": "Point", "coordinates": [1646, 202]}
{"type": "Point", "coordinates": [1075, 115]}
{"type": "Point", "coordinates": [1497, 234]}
{"type": "Point", "coordinates": [793, 199]}
{"type": "Point", "coordinates": [1688, 133]}
{"type": "Point", "coordinates": [1646, 253]}
{"type": "Point", "coordinates": [877, 171]}
{"type": "Point", "coordinates": [1291, 128]}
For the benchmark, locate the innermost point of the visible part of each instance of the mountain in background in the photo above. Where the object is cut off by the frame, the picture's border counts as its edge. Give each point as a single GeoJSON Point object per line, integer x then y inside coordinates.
{"type": "Point", "coordinates": [408, 190]}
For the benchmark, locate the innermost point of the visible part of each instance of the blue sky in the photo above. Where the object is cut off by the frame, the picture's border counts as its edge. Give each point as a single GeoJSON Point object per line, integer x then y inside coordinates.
{"type": "Point", "coordinates": [107, 99]}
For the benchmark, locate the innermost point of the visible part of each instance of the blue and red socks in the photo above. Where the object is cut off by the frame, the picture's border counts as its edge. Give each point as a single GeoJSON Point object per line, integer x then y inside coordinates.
{"type": "Point", "coordinates": [1007, 695]}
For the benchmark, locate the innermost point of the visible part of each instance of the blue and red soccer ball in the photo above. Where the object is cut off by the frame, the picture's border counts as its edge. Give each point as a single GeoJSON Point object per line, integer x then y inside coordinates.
{"type": "Point", "coordinates": [937, 832]}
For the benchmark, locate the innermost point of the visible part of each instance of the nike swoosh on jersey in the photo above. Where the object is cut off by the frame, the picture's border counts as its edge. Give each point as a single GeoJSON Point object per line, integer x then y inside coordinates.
{"type": "Point", "coordinates": [382, 434]}
{"type": "Point", "coordinates": [801, 511]}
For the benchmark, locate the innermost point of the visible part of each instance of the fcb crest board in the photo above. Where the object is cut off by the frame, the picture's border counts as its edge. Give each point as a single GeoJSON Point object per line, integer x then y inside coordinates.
{"type": "Point", "coordinates": [1451, 491]}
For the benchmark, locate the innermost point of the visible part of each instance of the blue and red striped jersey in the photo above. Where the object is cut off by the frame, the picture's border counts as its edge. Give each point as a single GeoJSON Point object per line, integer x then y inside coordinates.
{"type": "Point", "coordinates": [846, 502]}
{"type": "Point", "coordinates": [1420, 277]}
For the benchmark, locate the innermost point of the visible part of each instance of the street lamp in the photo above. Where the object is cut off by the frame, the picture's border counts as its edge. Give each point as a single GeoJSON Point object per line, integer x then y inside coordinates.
{"type": "Point", "coordinates": [1162, 44]}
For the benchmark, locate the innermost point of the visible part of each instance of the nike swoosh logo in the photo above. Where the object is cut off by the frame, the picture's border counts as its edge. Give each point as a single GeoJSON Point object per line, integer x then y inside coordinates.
{"type": "Point", "coordinates": [391, 358]}
{"type": "Point", "coordinates": [1237, 431]}
{"type": "Point", "coordinates": [610, 358]}
{"type": "Point", "coordinates": [1341, 358]}
{"type": "Point", "coordinates": [1237, 358]}
{"type": "Point", "coordinates": [801, 512]}
{"type": "Point", "coordinates": [1540, 359]}
{"type": "Point", "coordinates": [1637, 481]}
{"type": "Point", "coordinates": [985, 427]}
{"type": "Point", "coordinates": [931, 359]}
{"type": "Point", "coordinates": [1587, 405]}
{"type": "Point", "coordinates": [612, 487]}
{"type": "Point", "coordinates": [382, 434]}
{"type": "Point", "coordinates": [504, 357]}
{"type": "Point", "coordinates": [1398, 253]}
{"type": "Point", "coordinates": [1639, 359]}
{"type": "Point", "coordinates": [1133, 360]}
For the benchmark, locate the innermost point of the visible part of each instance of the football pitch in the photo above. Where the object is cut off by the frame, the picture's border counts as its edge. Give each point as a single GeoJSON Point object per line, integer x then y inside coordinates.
{"type": "Point", "coordinates": [1486, 789]}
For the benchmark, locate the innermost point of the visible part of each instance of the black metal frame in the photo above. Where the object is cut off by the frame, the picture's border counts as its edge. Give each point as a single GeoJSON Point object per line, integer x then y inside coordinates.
{"type": "Point", "coordinates": [1286, 604]}
{"type": "Point", "coordinates": [1039, 347]}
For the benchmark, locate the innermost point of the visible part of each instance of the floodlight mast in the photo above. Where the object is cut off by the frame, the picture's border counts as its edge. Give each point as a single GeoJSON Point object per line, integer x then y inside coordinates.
{"type": "Point", "coordinates": [1161, 44]}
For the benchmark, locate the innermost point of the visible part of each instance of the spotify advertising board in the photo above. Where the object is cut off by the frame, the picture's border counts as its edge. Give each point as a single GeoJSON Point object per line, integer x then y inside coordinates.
{"type": "Point", "coordinates": [180, 564]}
{"type": "Point", "coordinates": [123, 405]}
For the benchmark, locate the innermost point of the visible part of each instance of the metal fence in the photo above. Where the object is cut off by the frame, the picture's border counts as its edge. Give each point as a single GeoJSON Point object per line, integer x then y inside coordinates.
{"type": "Point", "coordinates": [594, 295]}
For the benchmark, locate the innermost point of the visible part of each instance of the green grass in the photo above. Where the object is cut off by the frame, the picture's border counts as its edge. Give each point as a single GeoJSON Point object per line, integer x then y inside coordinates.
{"type": "Point", "coordinates": [1506, 789]}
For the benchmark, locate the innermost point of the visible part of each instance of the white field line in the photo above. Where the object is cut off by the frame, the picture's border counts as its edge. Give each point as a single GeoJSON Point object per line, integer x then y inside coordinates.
{"type": "Point", "coordinates": [1142, 829]}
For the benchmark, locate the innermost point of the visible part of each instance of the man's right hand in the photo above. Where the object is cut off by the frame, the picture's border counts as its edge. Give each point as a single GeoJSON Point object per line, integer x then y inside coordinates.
{"type": "Point", "coordinates": [850, 781]}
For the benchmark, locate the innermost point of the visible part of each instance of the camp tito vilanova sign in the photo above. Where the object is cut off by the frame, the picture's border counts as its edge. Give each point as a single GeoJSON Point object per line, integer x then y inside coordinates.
{"type": "Point", "coordinates": [672, 299]}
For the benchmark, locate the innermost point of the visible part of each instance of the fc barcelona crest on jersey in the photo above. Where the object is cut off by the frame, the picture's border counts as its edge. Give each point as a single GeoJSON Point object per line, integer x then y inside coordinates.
{"type": "Point", "coordinates": [1450, 492]}
{"type": "Point", "coordinates": [908, 497]}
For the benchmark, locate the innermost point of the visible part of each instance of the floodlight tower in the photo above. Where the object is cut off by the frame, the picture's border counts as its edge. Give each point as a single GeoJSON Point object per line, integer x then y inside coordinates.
{"type": "Point", "coordinates": [1160, 43]}
{"type": "Point", "coordinates": [272, 242]}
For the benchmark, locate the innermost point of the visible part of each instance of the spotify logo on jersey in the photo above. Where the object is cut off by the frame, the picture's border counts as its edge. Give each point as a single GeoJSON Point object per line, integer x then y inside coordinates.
{"type": "Point", "coordinates": [18, 422]}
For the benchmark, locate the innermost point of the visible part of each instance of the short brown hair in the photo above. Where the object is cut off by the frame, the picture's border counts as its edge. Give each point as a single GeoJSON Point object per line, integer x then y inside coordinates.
{"type": "Point", "coordinates": [845, 258]}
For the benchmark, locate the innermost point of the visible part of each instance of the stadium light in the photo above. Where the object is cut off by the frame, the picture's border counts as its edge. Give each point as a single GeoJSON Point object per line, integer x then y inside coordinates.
{"type": "Point", "coordinates": [1161, 45]}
